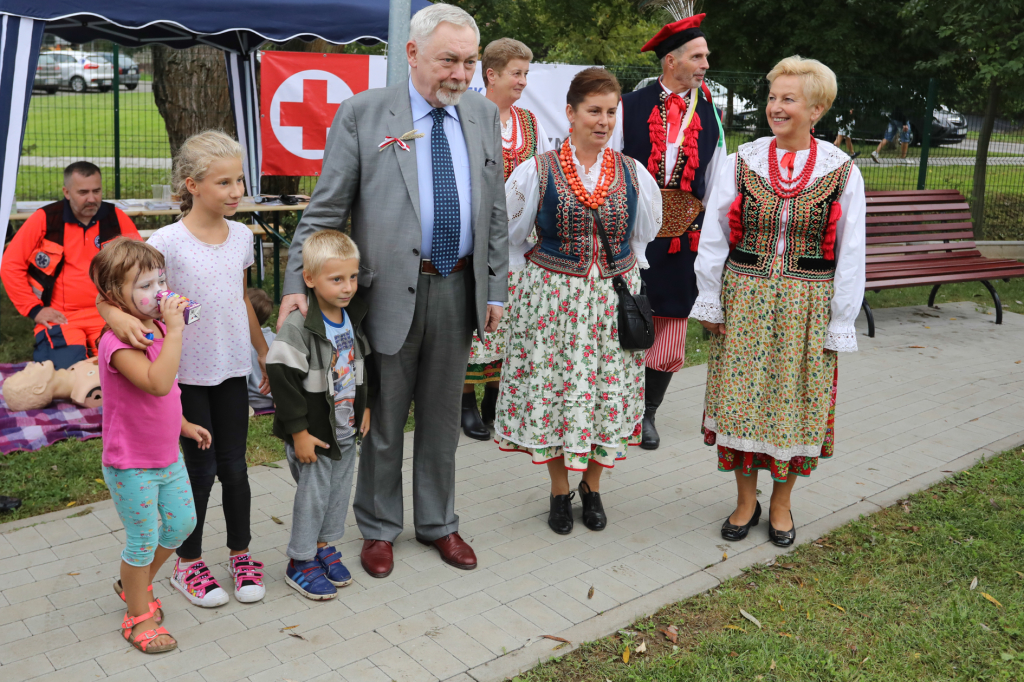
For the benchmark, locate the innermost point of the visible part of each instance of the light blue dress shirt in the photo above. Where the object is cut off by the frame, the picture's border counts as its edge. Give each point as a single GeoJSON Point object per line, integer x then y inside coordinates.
{"type": "Point", "coordinates": [423, 122]}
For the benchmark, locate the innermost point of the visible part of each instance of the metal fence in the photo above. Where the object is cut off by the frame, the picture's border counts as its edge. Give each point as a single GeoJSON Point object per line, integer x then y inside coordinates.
{"type": "Point", "coordinates": [123, 132]}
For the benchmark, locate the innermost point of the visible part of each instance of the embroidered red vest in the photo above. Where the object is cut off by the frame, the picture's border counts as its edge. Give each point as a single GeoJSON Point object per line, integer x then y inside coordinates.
{"type": "Point", "coordinates": [526, 147]}
{"type": "Point", "coordinates": [756, 222]}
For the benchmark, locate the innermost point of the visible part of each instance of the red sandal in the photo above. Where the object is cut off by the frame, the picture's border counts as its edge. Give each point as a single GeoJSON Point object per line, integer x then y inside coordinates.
{"type": "Point", "coordinates": [154, 605]}
{"type": "Point", "coordinates": [143, 641]}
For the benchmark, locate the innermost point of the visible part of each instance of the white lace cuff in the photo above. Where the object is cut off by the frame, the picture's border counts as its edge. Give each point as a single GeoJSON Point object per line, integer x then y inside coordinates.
{"type": "Point", "coordinates": [842, 336]}
{"type": "Point", "coordinates": [708, 307]}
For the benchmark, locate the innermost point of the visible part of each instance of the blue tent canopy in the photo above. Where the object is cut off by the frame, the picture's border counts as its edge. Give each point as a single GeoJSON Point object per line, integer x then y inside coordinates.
{"type": "Point", "coordinates": [234, 27]}
{"type": "Point", "coordinates": [239, 29]}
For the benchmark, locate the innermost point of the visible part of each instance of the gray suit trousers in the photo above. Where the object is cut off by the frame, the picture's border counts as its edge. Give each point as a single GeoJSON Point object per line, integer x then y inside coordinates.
{"type": "Point", "coordinates": [429, 368]}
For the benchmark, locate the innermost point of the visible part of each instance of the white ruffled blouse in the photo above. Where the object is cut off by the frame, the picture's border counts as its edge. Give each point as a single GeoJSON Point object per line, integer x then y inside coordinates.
{"type": "Point", "coordinates": [522, 199]}
{"type": "Point", "coordinates": [850, 237]}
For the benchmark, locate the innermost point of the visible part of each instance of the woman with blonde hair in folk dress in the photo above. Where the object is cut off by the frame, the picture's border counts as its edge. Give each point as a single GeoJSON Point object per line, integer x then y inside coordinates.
{"type": "Point", "coordinates": [786, 223]}
{"type": "Point", "coordinates": [505, 64]}
{"type": "Point", "coordinates": [570, 396]}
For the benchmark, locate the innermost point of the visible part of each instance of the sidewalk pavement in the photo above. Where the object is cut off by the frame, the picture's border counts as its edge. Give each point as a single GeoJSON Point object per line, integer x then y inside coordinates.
{"type": "Point", "coordinates": [934, 391]}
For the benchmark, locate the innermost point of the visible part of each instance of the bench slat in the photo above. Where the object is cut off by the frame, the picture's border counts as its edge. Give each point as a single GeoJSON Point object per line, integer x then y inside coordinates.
{"type": "Point", "coordinates": [923, 257]}
{"type": "Point", "coordinates": [938, 199]}
{"type": "Point", "coordinates": [898, 220]}
{"type": "Point", "coordinates": [927, 237]}
{"type": "Point", "coordinates": [920, 248]}
{"type": "Point", "coordinates": [897, 232]}
{"type": "Point", "coordinates": [916, 208]}
{"type": "Point", "coordinates": [889, 271]}
{"type": "Point", "coordinates": [944, 279]}
{"type": "Point", "coordinates": [908, 192]}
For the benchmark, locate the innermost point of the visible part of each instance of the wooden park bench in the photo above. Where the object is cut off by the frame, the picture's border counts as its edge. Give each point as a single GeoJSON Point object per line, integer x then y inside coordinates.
{"type": "Point", "coordinates": [925, 238]}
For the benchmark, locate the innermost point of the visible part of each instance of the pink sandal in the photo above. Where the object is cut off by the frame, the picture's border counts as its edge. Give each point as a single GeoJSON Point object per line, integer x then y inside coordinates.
{"type": "Point", "coordinates": [154, 605]}
{"type": "Point", "coordinates": [143, 641]}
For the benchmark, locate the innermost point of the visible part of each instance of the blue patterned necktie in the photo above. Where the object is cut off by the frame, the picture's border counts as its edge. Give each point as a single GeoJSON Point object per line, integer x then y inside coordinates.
{"type": "Point", "coordinates": [444, 246]}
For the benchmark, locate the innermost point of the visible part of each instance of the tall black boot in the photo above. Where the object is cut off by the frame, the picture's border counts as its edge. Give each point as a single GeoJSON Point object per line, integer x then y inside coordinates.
{"type": "Point", "coordinates": [490, 401]}
{"type": "Point", "coordinates": [656, 383]}
{"type": "Point", "coordinates": [471, 424]}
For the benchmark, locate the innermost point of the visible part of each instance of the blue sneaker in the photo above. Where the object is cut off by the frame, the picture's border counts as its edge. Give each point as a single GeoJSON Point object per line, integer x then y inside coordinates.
{"type": "Point", "coordinates": [330, 561]}
{"type": "Point", "coordinates": [309, 580]}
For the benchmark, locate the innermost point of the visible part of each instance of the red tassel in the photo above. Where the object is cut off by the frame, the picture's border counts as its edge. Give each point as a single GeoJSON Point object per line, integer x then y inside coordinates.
{"type": "Point", "coordinates": [674, 245]}
{"type": "Point", "coordinates": [657, 132]}
{"type": "Point", "coordinates": [736, 221]}
{"type": "Point", "coordinates": [692, 153]}
{"type": "Point", "coordinates": [694, 237]}
{"type": "Point", "coordinates": [828, 242]}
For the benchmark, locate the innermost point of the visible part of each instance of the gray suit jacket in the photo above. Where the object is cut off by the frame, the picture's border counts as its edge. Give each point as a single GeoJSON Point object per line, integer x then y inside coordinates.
{"type": "Point", "coordinates": [379, 191]}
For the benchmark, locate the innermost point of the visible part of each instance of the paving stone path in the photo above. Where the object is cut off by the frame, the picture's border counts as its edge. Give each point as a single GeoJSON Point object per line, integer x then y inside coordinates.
{"type": "Point", "coordinates": [932, 393]}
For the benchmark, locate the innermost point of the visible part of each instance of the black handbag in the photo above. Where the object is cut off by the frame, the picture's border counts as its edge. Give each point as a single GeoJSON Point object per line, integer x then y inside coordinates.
{"type": "Point", "coordinates": [636, 319]}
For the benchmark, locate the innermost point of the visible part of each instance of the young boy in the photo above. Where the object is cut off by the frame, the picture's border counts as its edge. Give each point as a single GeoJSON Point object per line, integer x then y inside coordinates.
{"type": "Point", "coordinates": [321, 375]}
{"type": "Point", "coordinates": [262, 306]}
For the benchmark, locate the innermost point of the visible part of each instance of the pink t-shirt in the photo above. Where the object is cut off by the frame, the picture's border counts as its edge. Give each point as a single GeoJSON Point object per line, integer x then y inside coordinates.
{"type": "Point", "coordinates": [140, 431]}
{"type": "Point", "coordinates": [217, 346]}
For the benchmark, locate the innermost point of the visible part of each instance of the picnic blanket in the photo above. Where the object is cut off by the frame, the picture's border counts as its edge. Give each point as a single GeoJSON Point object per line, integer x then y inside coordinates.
{"type": "Point", "coordinates": [34, 429]}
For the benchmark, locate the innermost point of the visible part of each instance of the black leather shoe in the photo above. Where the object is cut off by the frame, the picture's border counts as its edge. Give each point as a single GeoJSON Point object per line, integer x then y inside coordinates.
{"type": "Point", "coordinates": [781, 538]}
{"type": "Point", "coordinates": [732, 532]}
{"type": "Point", "coordinates": [655, 385]}
{"type": "Point", "coordinates": [560, 518]}
{"type": "Point", "coordinates": [472, 426]}
{"type": "Point", "coordinates": [489, 402]}
{"type": "Point", "coordinates": [594, 517]}
{"type": "Point", "coordinates": [9, 503]}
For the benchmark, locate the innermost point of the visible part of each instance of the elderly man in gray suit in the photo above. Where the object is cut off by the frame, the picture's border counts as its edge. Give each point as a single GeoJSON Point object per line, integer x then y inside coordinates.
{"type": "Point", "coordinates": [428, 215]}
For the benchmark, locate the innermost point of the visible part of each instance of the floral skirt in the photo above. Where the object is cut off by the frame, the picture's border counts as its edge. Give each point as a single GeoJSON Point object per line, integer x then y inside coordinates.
{"type": "Point", "coordinates": [771, 390]}
{"type": "Point", "coordinates": [485, 357]}
{"type": "Point", "coordinates": [568, 389]}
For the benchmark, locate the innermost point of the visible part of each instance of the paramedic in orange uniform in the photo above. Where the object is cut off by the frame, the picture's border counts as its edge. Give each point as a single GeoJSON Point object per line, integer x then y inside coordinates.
{"type": "Point", "coordinates": [45, 268]}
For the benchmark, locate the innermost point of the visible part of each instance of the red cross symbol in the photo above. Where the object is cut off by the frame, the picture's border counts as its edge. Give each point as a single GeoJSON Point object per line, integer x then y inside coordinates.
{"type": "Point", "coordinates": [313, 114]}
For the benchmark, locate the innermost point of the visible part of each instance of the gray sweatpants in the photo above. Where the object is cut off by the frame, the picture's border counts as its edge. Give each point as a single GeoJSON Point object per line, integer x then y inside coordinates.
{"type": "Point", "coordinates": [321, 499]}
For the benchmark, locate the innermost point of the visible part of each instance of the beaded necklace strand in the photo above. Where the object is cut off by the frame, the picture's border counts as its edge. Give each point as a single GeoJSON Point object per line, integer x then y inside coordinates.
{"type": "Point", "coordinates": [596, 198]}
{"type": "Point", "coordinates": [797, 184]}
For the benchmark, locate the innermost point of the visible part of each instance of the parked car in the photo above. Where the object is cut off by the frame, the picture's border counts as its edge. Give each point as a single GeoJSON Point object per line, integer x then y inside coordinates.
{"type": "Point", "coordinates": [47, 75]}
{"type": "Point", "coordinates": [948, 127]}
{"type": "Point", "coordinates": [128, 70]}
{"type": "Point", "coordinates": [81, 71]}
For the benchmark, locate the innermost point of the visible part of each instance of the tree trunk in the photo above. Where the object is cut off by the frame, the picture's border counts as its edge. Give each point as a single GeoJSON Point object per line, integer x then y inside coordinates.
{"type": "Point", "coordinates": [191, 92]}
{"type": "Point", "coordinates": [981, 161]}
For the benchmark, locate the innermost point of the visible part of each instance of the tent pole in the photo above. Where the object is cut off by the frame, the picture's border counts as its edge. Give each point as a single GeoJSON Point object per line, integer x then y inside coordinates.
{"type": "Point", "coordinates": [398, 36]}
{"type": "Point", "coordinates": [117, 122]}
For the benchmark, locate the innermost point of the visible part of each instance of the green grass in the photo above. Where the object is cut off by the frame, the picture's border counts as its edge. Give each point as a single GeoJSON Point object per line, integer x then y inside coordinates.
{"type": "Point", "coordinates": [885, 598]}
{"type": "Point", "coordinates": [83, 125]}
{"type": "Point", "coordinates": [38, 184]}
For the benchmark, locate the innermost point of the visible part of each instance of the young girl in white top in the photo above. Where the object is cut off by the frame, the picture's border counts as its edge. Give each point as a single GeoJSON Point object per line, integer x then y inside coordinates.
{"type": "Point", "coordinates": [207, 256]}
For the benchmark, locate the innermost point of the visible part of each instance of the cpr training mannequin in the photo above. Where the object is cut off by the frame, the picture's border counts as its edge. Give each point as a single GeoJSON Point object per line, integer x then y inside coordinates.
{"type": "Point", "coordinates": [39, 384]}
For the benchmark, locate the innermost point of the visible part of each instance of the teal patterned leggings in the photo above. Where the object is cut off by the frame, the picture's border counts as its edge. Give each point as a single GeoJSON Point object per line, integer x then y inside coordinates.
{"type": "Point", "coordinates": [145, 497]}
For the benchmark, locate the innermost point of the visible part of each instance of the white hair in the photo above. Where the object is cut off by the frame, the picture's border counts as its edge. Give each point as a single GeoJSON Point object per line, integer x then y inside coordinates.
{"type": "Point", "coordinates": [426, 21]}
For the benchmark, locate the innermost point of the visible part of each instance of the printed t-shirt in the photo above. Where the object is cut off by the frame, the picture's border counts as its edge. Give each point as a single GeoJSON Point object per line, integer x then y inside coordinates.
{"type": "Point", "coordinates": [343, 375]}
{"type": "Point", "coordinates": [217, 346]}
{"type": "Point", "coordinates": [140, 430]}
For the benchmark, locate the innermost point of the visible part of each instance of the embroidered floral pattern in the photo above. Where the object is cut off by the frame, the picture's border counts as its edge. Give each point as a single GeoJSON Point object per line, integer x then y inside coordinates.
{"type": "Point", "coordinates": [526, 146]}
{"type": "Point", "coordinates": [568, 389]}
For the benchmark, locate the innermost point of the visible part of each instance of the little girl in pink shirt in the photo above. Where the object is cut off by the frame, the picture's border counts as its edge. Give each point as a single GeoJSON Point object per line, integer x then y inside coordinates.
{"type": "Point", "coordinates": [142, 420]}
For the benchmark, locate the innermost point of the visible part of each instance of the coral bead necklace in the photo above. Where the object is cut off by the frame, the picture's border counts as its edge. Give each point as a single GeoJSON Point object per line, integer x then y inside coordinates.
{"type": "Point", "coordinates": [797, 184]}
{"type": "Point", "coordinates": [596, 198]}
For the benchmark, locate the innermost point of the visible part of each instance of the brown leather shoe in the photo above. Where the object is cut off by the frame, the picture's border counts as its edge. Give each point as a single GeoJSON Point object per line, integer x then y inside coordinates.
{"type": "Point", "coordinates": [377, 558]}
{"type": "Point", "coordinates": [454, 551]}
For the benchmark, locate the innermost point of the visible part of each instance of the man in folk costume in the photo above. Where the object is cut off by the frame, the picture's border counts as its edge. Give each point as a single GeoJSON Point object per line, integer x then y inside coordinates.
{"type": "Point", "coordinates": [672, 128]}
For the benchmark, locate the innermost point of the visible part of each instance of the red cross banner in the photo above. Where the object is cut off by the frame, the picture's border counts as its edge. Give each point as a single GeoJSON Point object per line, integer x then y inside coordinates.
{"type": "Point", "coordinates": [299, 94]}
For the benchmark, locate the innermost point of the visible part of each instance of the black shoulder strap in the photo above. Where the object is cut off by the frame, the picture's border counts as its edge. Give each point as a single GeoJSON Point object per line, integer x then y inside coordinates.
{"type": "Point", "coordinates": [54, 222]}
{"type": "Point", "coordinates": [110, 226]}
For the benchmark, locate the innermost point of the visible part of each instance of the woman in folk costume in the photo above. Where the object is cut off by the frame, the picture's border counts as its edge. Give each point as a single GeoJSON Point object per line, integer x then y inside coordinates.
{"type": "Point", "coordinates": [786, 224]}
{"type": "Point", "coordinates": [505, 64]}
{"type": "Point", "coordinates": [570, 396]}
{"type": "Point", "coordinates": [672, 128]}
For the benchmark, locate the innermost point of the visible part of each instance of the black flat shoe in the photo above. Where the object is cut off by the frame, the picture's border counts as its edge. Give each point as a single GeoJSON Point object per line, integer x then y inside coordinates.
{"type": "Point", "coordinates": [472, 426]}
{"type": "Point", "coordinates": [732, 532]}
{"type": "Point", "coordinates": [560, 518]}
{"type": "Point", "coordinates": [593, 511]}
{"type": "Point", "coordinates": [781, 538]}
{"type": "Point", "coordinates": [9, 503]}
{"type": "Point", "coordinates": [490, 401]}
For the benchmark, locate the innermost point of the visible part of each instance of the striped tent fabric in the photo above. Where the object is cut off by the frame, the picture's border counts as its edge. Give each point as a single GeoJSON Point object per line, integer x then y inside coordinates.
{"type": "Point", "coordinates": [20, 39]}
{"type": "Point", "coordinates": [245, 107]}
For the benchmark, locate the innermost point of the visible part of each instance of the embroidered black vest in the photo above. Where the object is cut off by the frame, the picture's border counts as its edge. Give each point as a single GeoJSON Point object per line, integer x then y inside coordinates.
{"type": "Point", "coordinates": [806, 225]}
{"type": "Point", "coordinates": [636, 136]}
{"type": "Point", "coordinates": [526, 147]}
{"type": "Point", "coordinates": [567, 240]}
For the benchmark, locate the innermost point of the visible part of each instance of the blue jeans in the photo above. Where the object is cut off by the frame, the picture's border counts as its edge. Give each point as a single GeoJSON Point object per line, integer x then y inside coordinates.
{"type": "Point", "coordinates": [895, 127]}
{"type": "Point", "coordinates": [144, 496]}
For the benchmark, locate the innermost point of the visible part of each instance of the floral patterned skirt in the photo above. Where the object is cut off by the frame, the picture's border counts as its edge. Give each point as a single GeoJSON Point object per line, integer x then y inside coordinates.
{"type": "Point", "coordinates": [568, 389]}
{"type": "Point", "coordinates": [771, 390]}
{"type": "Point", "coordinates": [485, 358]}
